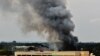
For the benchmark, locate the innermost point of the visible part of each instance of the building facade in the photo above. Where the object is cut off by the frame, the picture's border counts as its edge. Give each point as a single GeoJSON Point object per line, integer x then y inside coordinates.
{"type": "Point", "coordinates": [52, 53]}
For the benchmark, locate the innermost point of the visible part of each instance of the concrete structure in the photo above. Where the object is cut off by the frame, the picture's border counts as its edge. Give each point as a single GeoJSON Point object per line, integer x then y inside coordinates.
{"type": "Point", "coordinates": [92, 54]}
{"type": "Point", "coordinates": [54, 53]}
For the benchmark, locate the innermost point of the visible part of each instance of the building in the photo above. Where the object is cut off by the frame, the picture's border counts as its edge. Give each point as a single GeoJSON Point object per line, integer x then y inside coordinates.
{"type": "Point", "coordinates": [52, 53]}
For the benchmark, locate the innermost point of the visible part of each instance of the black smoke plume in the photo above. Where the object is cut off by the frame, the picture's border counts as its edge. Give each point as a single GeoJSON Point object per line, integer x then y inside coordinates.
{"type": "Point", "coordinates": [49, 17]}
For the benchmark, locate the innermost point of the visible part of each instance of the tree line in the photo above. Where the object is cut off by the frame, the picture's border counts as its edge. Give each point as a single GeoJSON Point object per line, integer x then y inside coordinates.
{"type": "Point", "coordinates": [7, 47]}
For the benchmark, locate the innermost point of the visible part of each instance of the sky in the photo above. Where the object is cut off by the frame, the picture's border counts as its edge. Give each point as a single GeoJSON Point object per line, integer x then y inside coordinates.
{"type": "Point", "coordinates": [86, 16]}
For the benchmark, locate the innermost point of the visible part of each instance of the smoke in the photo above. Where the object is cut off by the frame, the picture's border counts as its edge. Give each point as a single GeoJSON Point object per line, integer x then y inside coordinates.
{"type": "Point", "coordinates": [45, 17]}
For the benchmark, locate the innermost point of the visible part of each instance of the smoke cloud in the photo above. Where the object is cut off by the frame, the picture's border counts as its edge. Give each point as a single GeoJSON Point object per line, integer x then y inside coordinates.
{"type": "Point", "coordinates": [45, 17]}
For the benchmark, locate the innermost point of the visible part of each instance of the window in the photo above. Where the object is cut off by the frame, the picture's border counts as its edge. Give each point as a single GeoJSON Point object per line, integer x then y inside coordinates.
{"type": "Point", "coordinates": [23, 55]}
{"type": "Point", "coordinates": [18, 55]}
{"type": "Point", "coordinates": [28, 55]}
{"type": "Point", "coordinates": [36, 55]}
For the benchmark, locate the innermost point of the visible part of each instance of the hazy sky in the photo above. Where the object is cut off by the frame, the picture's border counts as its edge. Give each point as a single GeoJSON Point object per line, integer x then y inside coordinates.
{"type": "Point", "coordinates": [86, 16]}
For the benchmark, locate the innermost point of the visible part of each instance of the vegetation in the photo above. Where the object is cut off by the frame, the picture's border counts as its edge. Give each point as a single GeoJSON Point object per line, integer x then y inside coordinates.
{"type": "Point", "coordinates": [8, 47]}
{"type": "Point", "coordinates": [92, 47]}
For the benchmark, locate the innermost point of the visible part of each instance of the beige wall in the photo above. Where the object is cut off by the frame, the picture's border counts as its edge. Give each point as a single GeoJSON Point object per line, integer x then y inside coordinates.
{"type": "Point", "coordinates": [62, 53]}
